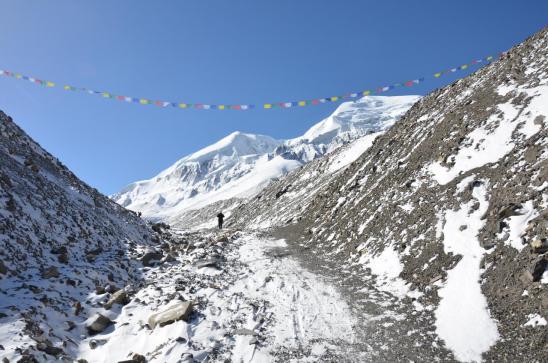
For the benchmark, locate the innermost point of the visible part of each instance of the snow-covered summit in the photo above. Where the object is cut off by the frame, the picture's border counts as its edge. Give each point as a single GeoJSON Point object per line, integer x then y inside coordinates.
{"type": "Point", "coordinates": [370, 114]}
{"type": "Point", "coordinates": [241, 164]}
{"type": "Point", "coordinates": [235, 144]}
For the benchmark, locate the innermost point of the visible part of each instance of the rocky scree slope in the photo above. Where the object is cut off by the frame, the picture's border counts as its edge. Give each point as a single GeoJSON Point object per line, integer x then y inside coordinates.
{"type": "Point", "coordinates": [240, 165]}
{"type": "Point", "coordinates": [60, 240]}
{"type": "Point", "coordinates": [286, 198]}
{"type": "Point", "coordinates": [450, 203]}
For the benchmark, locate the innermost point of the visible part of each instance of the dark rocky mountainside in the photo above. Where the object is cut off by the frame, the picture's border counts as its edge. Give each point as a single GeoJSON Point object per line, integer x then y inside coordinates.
{"type": "Point", "coordinates": [59, 240]}
{"type": "Point", "coordinates": [451, 203]}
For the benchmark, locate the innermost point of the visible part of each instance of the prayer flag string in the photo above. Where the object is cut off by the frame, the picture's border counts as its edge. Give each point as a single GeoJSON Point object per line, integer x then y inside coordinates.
{"type": "Point", "coordinates": [266, 106]}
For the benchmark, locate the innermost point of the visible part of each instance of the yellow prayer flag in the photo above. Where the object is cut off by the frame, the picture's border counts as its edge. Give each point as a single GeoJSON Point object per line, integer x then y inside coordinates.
{"type": "Point", "coordinates": [437, 75]}
{"type": "Point", "coordinates": [334, 98]}
{"type": "Point", "coordinates": [143, 101]}
{"type": "Point", "coordinates": [221, 107]}
{"type": "Point", "coordinates": [67, 88]}
{"type": "Point", "coordinates": [182, 105]}
{"type": "Point", "coordinates": [267, 105]}
{"type": "Point", "coordinates": [366, 93]}
{"type": "Point", "coordinates": [302, 103]}
{"type": "Point", "coordinates": [50, 84]}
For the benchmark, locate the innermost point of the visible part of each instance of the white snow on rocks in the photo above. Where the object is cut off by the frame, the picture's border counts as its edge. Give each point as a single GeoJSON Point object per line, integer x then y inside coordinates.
{"type": "Point", "coordinates": [462, 317]}
{"type": "Point", "coordinates": [387, 268]}
{"type": "Point", "coordinates": [535, 320]}
{"type": "Point", "coordinates": [518, 224]}
{"type": "Point", "coordinates": [490, 143]}
{"type": "Point", "coordinates": [262, 300]}
{"type": "Point", "coordinates": [352, 152]}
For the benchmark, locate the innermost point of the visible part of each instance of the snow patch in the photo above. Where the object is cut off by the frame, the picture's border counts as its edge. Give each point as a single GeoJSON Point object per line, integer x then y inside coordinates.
{"type": "Point", "coordinates": [535, 320]}
{"type": "Point", "coordinates": [387, 267]}
{"type": "Point", "coordinates": [462, 317]}
{"type": "Point", "coordinates": [352, 152]}
{"type": "Point", "coordinates": [518, 224]}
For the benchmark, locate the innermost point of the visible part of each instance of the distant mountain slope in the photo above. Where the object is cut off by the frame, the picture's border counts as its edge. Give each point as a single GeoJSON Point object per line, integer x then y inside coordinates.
{"type": "Point", "coordinates": [451, 204]}
{"type": "Point", "coordinates": [59, 239]}
{"type": "Point", "coordinates": [242, 164]}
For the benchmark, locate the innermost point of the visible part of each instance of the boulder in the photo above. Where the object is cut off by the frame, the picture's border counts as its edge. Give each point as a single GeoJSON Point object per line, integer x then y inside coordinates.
{"type": "Point", "coordinates": [63, 258]}
{"type": "Point", "coordinates": [539, 246]}
{"type": "Point", "coordinates": [137, 358]}
{"type": "Point", "coordinates": [210, 262]}
{"type": "Point", "coordinates": [119, 297]}
{"type": "Point", "coordinates": [151, 256]}
{"type": "Point", "coordinates": [77, 308]}
{"type": "Point", "coordinates": [179, 311]}
{"type": "Point", "coordinates": [47, 348]}
{"type": "Point", "coordinates": [98, 324]}
{"type": "Point", "coordinates": [94, 343]}
{"type": "Point", "coordinates": [538, 268]}
{"type": "Point", "coordinates": [50, 272]}
{"type": "Point", "coordinates": [223, 238]}
{"type": "Point", "coordinates": [509, 211]}
{"type": "Point", "coordinates": [3, 268]}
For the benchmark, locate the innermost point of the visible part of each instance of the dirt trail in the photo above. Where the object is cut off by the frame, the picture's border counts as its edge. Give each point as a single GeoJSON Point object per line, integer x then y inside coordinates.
{"type": "Point", "coordinates": [387, 328]}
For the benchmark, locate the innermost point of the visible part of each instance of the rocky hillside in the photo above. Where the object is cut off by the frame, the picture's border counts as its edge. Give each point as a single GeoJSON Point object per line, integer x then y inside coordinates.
{"type": "Point", "coordinates": [450, 203]}
{"type": "Point", "coordinates": [60, 241]}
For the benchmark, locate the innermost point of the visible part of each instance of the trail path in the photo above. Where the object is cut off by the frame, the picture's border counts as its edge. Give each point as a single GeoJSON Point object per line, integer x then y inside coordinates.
{"type": "Point", "coordinates": [256, 304]}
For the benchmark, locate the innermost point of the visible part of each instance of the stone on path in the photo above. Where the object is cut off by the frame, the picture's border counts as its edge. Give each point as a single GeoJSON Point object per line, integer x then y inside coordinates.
{"type": "Point", "coordinates": [98, 324]}
{"type": "Point", "coordinates": [179, 311]}
{"type": "Point", "coordinates": [119, 297]}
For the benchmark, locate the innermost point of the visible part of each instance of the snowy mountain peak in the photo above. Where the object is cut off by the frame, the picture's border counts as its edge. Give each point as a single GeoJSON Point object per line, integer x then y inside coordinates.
{"type": "Point", "coordinates": [241, 164]}
{"type": "Point", "coordinates": [370, 114]}
{"type": "Point", "coordinates": [235, 144]}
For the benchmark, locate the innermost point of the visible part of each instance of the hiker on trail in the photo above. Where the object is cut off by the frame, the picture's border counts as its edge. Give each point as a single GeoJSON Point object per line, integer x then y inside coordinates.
{"type": "Point", "coordinates": [220, 217]}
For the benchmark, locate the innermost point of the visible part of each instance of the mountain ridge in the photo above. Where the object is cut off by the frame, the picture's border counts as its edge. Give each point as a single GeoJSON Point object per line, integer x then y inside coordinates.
{"type": "Point", "coordinates": [252, 161]}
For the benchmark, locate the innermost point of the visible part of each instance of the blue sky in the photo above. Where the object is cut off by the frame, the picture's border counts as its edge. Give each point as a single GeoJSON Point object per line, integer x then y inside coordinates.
{"type": "Point", "coordinates": [220, 51]}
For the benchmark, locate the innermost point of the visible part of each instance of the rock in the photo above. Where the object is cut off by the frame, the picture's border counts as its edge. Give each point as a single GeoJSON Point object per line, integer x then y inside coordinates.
{"type": "Point", "coordinates": [169, 258]}
{"type": "Point", "coordinates": [223, 238]}
{"type": "Point", "coordinates": [137, 358]}
{"type": "Point", "coordinates": [27, 358]}
{"type": "Point", "coordinates": [50, 272]}
{"type": "Point", "coordinates": [539, 246]}
{"type": "Point", "coordinates": [90, 257]}
{"type": "Point", "coordinates": [187, 357]}
{"type": "Point", "coordinates": [59, 250]}
{"type": "Point", "coordinates": [111, 288]}
{"type": "Point", "coordinates": [3, 268]}
{"type": "Point", "coordinates": [181, 340]}
{"type": "Point", "coordinates": [99, 323]}
{"type": "Point", "coordinates": [47, 348]}
{"type": "Point", "coordinates": [510, 211]}
{"type": "Point", "coordinates": [180, 311]}
{"type": "Point", "coordinates": [538, 268]}
{"type": "Point", "coordinates": [119, 297]}
{"type": "Point", "coordinates": [77, 308]}
{"type": "Point", "coordinates": [210, 262]}
{"type": "Point", "coordinates": [151, 256]}
{"type": "Point", "coordinates": [99, 290]}
{"type": "Point", "coordinates": [436, 279]}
